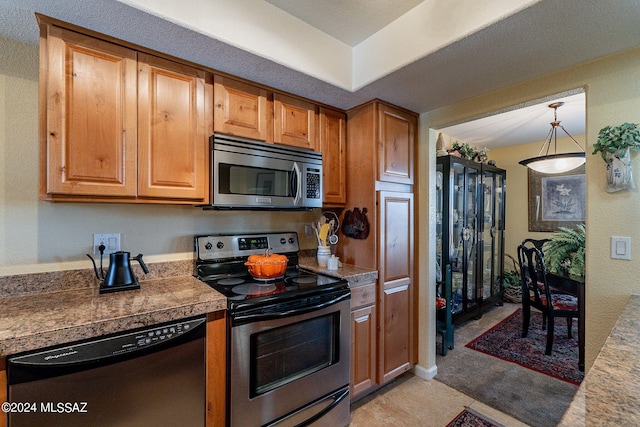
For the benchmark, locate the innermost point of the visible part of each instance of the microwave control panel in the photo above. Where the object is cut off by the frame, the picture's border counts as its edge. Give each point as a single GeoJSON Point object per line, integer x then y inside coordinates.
{"type": "Point", "coordinates": [313, 183]}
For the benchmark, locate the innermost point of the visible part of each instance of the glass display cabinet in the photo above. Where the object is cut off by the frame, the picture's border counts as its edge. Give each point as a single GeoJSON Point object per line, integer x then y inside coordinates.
{"type": "Point", "coordinates": [469, 240]}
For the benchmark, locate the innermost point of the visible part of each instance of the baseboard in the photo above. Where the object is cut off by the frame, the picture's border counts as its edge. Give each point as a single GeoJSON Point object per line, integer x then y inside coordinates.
{"type": "Point", "coordinates": [425, 373]}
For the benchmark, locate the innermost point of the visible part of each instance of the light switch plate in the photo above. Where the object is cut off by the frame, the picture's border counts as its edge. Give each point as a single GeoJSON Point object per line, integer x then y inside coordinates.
{"type": "Point", "coordinates": [620, 247]}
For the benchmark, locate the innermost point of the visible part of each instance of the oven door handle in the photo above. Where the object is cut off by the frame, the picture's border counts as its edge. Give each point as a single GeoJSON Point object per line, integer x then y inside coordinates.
{"type": "Point", "coordinates": [337, 397]}
{"type": "Point", "coordinates": [278, 313]}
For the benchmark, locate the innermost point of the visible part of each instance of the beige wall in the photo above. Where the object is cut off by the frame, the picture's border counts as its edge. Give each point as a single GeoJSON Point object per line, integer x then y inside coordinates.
{"type": "Point", "coordinates": [44, 236]}
{"type": "Point", "coordinates": [612, 96]}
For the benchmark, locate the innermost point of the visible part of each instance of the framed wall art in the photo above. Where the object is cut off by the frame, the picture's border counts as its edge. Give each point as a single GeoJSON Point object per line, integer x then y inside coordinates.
{"type": "Point", "coordinates": [557, 200]}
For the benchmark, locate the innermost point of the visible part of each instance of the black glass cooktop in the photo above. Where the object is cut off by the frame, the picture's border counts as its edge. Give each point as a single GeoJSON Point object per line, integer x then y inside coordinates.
{"type": "Point", "coordinates": [295, 282]}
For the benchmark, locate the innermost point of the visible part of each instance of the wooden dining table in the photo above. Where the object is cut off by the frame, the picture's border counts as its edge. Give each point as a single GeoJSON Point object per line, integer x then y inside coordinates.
{"type": "Point", "coordinates": [573, 285]}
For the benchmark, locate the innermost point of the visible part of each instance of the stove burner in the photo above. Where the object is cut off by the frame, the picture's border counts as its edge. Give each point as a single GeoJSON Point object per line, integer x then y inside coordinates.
{"type": "Point", "coordinates": [304, 279]}
{"type": "Point", "coordinates": [270, 280]}
{"type": "Point", "coordinates": [256, 289]}
{"type": "Point", "coordinates": [230, 281]}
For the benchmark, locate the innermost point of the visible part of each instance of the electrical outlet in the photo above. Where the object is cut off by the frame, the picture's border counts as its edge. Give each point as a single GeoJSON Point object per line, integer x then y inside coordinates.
{"type": "Point", "coordinates": [110, 241]}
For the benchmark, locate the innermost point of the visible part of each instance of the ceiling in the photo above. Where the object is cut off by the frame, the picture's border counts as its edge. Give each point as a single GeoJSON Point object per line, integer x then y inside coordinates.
{"type": "Point", "coordinates": [350, 21]}
{"type": "Point", "coordinates": [541, 37]}
{"type": "Point", "coordinates": [523, 125]}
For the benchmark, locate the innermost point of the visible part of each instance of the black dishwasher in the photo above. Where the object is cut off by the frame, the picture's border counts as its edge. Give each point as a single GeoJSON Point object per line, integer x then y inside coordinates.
{"type": "Point", "coordinates": [152, 376]}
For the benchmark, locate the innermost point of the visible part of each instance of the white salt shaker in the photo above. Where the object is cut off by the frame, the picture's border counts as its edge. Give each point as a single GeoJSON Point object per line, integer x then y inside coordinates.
{"type": "Point", "coordinates": [332, 263]}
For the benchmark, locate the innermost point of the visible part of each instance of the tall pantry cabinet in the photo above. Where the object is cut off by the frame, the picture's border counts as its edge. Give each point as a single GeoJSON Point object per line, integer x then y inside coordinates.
{"type": "Point", "coordinates": [380, 174]}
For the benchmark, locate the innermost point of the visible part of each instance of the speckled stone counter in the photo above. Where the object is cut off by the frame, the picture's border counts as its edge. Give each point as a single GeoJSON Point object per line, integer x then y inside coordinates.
{"type": "Point", "coordinates": [608, 395]}
{"type": "Point", "coordinates": [29, 321]}
{"type": "Point", "coordinates": [355, 275]}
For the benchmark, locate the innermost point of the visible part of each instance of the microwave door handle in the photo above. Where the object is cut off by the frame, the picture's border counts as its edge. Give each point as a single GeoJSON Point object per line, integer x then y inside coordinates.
{"type": "Point", "coordinates": [296, 180]}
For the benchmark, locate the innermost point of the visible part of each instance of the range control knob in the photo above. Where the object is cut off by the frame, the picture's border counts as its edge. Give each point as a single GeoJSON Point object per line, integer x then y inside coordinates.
{"type": "Point", "coordinates": [283, 241]}
{"type": "Point", "coordinates": [291, 240]}
{"type": "Point", "coordinates": [208, 246]}
{"type": "Point", "coordinates": [220, 245]}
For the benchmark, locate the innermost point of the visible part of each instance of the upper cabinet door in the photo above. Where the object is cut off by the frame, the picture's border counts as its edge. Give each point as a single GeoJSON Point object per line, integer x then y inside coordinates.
{"type": "Point", "coordinates": [333, 139]}
{"type": "Point", "coordinates": [172, 130]}
{"type": "Point", "coordinates": [295, 122]}
{"type": "Point", "coordinates": [397, 137]}
{"type": "Point", "coordinates": [89, 133]}
{"type": "Point", "coordinates": [242, 109]}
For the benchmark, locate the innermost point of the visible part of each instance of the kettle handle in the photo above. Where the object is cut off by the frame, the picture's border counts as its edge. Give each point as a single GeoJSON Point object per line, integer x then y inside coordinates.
{"type": "Point", "coordinates": [142, 264]}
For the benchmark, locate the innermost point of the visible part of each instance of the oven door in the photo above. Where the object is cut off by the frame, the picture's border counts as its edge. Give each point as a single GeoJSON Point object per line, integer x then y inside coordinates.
{"type": "Point", "coordinates": [292, 370]}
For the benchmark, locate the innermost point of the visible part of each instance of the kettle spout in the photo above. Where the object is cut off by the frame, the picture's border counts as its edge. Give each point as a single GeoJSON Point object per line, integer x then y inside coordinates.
{"type": "Point", "coordinates": [142, 264]}
{"type": "Point", "coordinates": [95, 268]}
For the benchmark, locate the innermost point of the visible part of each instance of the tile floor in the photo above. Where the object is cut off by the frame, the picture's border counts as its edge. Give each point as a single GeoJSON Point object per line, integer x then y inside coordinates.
{"type": "Point", "coordinates": [411, 401]}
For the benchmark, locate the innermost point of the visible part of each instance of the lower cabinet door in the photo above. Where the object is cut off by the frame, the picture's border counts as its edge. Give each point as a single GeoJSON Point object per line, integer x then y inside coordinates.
{"type": "Point", "coordinates": [395, 332]}
{"type": "Point", "coordinates": [363, 349]}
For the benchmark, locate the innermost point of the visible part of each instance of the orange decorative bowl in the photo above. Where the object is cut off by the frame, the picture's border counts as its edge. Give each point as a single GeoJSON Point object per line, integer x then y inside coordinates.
{"type": "Point", "coordinates": [267, 266]}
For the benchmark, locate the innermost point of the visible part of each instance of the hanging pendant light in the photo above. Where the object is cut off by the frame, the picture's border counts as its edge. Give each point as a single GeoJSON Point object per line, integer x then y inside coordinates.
{"type": "Point", "coordinates": [555, 163]}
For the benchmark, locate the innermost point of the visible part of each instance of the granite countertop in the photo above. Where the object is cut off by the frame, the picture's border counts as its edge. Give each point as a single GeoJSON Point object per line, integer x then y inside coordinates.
{"type": "Point", "coordinates": [32, 321]}
{"type": "Point", "coordinates": [353, 274]}
{"type": "Point", "coordinates": [45, 309]}
{"type": "Point", "coordinates": [608, 395]}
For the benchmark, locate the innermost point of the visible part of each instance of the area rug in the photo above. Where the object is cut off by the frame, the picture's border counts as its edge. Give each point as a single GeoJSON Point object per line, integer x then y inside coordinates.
{"type": "Point", "coordinates": [505, 342]}
{"type": "Point", "coordinates": [470, 418]}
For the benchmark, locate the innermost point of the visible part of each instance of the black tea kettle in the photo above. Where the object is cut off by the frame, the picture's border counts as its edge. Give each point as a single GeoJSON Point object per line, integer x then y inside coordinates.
{"type": "Point", "coordinates": [120, 276]}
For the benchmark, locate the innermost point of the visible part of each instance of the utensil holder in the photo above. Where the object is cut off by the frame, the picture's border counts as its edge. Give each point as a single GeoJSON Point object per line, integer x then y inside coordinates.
{"type": "Point", "coordinates": [324, 253]}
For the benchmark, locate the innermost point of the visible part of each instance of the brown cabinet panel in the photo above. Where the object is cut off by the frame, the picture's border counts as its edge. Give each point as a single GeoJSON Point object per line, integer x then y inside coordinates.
{"type": "Point", "coordinates": [396, 278]}
{"type": "Point", "coordinates": [363, 295]}
{"type": "Point", "coordinates": [242, 109]}
{"type": "Point", "coordinates": [90, 129]}
{"type": "Point", "coordinates": [172, 143]}
{"type": "Point", "coordinates": [397, 133]}
{"type": "Point", "coordinates": [216, 369]}
{"type": "Point", "coordinates": [396, 235]}
{"type": "Point", "coordinates": [363, 349]}
{"type": "Point", "coordinates": [295, 122]}
{"type": "Point", "coordinates": [333, 139]}
{"type": "Point", "coordinates": [396, 338]}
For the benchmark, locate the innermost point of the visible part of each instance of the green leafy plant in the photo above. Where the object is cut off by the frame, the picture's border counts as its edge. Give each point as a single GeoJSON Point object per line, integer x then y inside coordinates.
{"type": "Point", "coordinates": [565, 251]}
{"type": "Point", "coordinates": [465, 150]}
{"type": "Point", "coordinates": [614, 138]}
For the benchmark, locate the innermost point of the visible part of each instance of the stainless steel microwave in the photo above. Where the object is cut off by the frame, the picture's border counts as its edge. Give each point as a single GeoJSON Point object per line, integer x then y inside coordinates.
{"type": "Point", "coordinates": [248, 174]}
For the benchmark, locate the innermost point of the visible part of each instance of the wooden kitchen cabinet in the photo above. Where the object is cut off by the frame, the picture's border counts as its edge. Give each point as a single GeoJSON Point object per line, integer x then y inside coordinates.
{"type": "Point", "coordinates": [120, 125]}
{"type": "Point", "coordinates": [379, 175]}
{"type": "Point", "coordinates": [333, 140]}
{"type": "Point", "coordinates": [294, 122]}
{"type": "Point", "coordinates": [216, 369]}
{"type": "Point", "coordinates": [363, 338]}
{"type": "Point", "coordinates": [396, 284]}
{"type": "Point", "coordinates": [172, 130]}
{"type": "Point", "coordinates": [88, 116]}
{"type": "Point", "coordinates": [242, 109]}
{"type": "Point", "coordinates": [397, 130]}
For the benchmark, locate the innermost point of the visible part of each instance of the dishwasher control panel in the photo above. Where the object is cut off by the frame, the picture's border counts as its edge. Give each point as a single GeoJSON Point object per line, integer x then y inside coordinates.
{"type": "Point", "coordinates": [110, 346]}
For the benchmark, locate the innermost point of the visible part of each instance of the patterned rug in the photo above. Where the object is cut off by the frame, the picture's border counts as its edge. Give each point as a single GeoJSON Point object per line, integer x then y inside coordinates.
{"type": "Point", "coordinates": [505, 342]}
{"type": "Point", "coordinates": [469, 418]}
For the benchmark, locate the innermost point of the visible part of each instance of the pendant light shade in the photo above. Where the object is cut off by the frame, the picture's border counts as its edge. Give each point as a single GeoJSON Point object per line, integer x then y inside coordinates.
{"type": "Point", "coordinates": [555, 163]}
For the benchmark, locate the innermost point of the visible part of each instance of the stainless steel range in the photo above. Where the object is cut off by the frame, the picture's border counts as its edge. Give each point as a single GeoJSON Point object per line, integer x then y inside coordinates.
{"type": "Point", "coordinates": [289, 338]}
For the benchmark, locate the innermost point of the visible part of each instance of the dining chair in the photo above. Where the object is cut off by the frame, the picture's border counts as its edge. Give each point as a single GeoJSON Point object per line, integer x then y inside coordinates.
{"type": "Point", "coordinates": [537, 293]}
{"type": "Point", "coordinates": [538, 243]}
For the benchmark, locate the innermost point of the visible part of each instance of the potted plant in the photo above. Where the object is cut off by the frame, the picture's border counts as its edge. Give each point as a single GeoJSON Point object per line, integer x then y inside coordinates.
{"type": "Point", "coordinates": [464, 150]}
{"type": "Point", "coordinates": [615, 144]}
{"type": "Point", "coordinates": [565, 251]}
